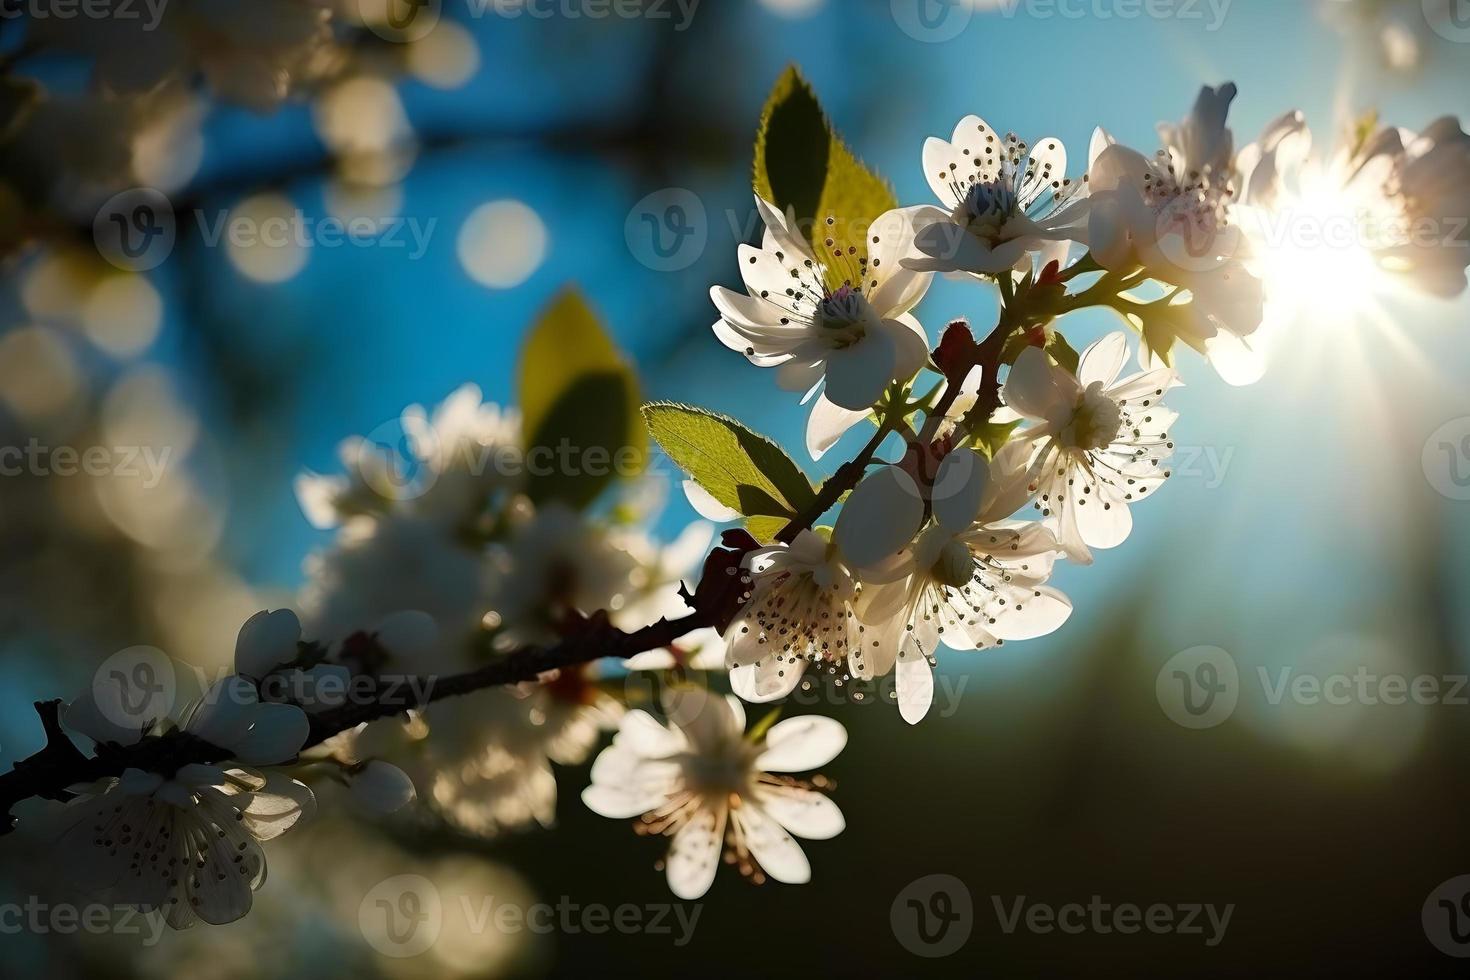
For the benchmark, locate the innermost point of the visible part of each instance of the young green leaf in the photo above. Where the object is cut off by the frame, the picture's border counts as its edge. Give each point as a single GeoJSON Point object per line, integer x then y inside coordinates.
{"type": "Point", "coordinates": [989, 437]}
{"type": "Point", "coordinates": [802, 164]}
{"type": "Point", "coordinates": [1062, 352]}
{"type": "Point", "coordinates": [579, 406]}
{"type": "Point", "coordinates": [742, 470]}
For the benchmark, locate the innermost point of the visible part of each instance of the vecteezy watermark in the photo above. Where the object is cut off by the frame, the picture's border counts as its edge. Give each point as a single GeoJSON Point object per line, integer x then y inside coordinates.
{"type": "Point", "coordinates": [1210, 13]}
{"type": "Point", "coordinates": [933, 916]}
{"type": "Point", "coordinates": [1446, 459]}
{"type": "Point", "coordinates": [681, 12]}
{"type": "Point", "coordinates": [403, 458]}
{"type": "Point", "coordinates": [1205, 465]}
{"type": "Point", "coordinates": [668, 230]}
{"type": "Point", "coordinates": [135, 688]}
{"type": "Point", "coordinates": [406, 21]}
{"type": "Point", "coordinates": [1446, 917]}
{"type": "Point", "coordinates": [936, 21]}
{"type": "Point", "coordinates": [1198, 688]}
{"type": "Point", "coordinates": [1450, 19]}
{"type": "Point", "coordinates": [300, 230]}
{"type": "Point", "coordinates": [932, 21]}
{"type": "Point", "coordinates": [1203, 241]}
{"type": "Point", "coordinates": [403, 21]}
{"type": "Point", "coordinates": [1201, 687]}
{"type": "Point", "coordinates": [405, 915]}
{"type": "Point", "coordinates": [948, 690]}
{"type": "Point", "coordinates": [36, 459]}
{"type": "Point", "coordinates": [42, 918]}
{"type": "Point", "coordinates": [1104, 918]}
{"type": "Point", "coordinates": [148, 13]}
{"type": "Point", "coordinates": [136, 230]}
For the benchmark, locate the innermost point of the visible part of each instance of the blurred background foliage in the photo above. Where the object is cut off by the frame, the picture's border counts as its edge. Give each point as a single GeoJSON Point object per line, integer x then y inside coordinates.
{"type": "Point", "coordinates": [1303, 535]}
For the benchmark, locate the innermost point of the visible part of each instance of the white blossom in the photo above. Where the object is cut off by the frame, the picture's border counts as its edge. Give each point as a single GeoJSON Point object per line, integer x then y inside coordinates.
{"type": "Point", "coordinates": [701, 782]}
{"type": "Point", "coordinates": [836, 320]}
{"type": "Point", "coordinates": [1403, 197]}
{"type": "Point", "coordinates": [252, 53]}
{"type": "Point", "coordinates": [446, 465]}
{"type": "Point", "coordinates": [1002, 199]}
{"type": "Point", "coordinates": [1095, 445]}
{"type": "Point", "coordinates": [799, 614]}
{"type": "Point", "coordinates": [1171, 217]}
{"type": "Point", "coordinates": [971, 580]}
{"type": "Point", "coordinates": [187, 843]}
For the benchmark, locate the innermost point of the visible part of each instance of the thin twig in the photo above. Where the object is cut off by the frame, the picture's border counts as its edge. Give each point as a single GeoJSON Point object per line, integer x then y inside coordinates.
{"type": "Point", "coordinates": [846, 477]}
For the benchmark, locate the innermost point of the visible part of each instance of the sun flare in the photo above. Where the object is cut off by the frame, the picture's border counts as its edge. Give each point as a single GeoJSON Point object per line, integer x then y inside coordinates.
{"type": "Point", "coordinates": [1316, 253]}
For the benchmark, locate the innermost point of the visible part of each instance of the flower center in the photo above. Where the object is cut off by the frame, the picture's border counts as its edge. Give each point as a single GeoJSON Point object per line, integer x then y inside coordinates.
{"type": "Point", "coordinates": [955, 566]}
{"type": "Point", "coordinates": [844, 316]}
{"type": "Point", "coordinates": [987, 206]}
{"type": "Point", "coordinates": [1095, 420]}
{"type": "Point", "coordinates": [717, 773]}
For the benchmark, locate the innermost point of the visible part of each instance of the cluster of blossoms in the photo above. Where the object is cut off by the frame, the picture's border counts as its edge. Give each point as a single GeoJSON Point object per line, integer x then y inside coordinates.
{"type": "Point", "coordinates": [448, 562]}
{"type": "Point", "coordinates": [114, 96]}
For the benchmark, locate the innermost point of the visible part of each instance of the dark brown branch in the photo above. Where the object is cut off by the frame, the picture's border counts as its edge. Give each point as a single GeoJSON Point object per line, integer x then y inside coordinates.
{"type": "Point", "coordinates": [48, 773]}
{"type": "Point", "coordinates": [847, 476]}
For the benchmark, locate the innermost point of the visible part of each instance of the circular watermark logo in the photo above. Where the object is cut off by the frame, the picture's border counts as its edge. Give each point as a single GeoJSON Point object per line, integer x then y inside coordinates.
{"type": "Point", "coordinates": [1446, 459]}
{"type": "Point", "coordinates": [668, 230]}
{"type": "Point", "coordinates": [395, 459]}
{"type": "Point", "coordinates": [401, 21]}
{"type": "Point", "coordinates": [1199, 687]}
{"type": "Point", "coordinates": [1446, 917]}
{"type": "Point", "coordinates": [1195, 241]}
{"type": "Point", "coordinates": [1450, 19]}
{"type": "Point", "coordinates": [135, 687]}
{"type": "Point", "coordinates": [933, 916]}
{"type": "Point", "coordinates": [135, 229]}
{"type": "Point", "coordinates": [932, 21]}
{"type": "Point", "coordinates": [401, 916]}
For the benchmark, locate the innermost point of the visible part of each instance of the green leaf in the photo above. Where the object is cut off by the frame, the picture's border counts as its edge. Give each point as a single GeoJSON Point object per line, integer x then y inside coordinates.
{"type": "Point", "coordinates": [742, 470]}
{"type": "Point", "coordinates": [802, 164]}
{"type": "Point", "coordinates": [989, 437]}
{"type": "Point", "coordinates": [766, 529]}
{"type": "Point", "coordinates": [579, 406]}
{"type": "Point", "coordinates": [1062, 352]}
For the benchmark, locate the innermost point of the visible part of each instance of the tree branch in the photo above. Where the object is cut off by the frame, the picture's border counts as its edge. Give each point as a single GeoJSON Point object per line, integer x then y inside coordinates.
{"type": "Point", "coordinates": [48, 773]}
{"type": "Point", "coordinates": [847, 476]}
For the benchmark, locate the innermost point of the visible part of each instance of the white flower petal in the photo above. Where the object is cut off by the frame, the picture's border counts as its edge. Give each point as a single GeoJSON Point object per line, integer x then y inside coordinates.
{"type": "Point", "coordinates": [778, 854]}
{"type": "Point", "coordinates": [770, 679]}
{"type": "Point", "coordinates": [276, 735]}
{"type": "Point", "coordinates": [266, 641]}
{"type": "Point", "coordinates": [226, 713]}
{"type": "Point", "coordinates": [694, 853]}
{"type": "Point", "coordinates": [805, 813]}
{"type": "Point", "coordinates": [703, 716]}
{"type": "Point", "coordinates": [1031, 387]}
{"type": "Point", "coordinates": [858, 375]}
{"type": "Point", "coordinates": [381, 787]}
{"type": "Point", "coordinates": [960, 485]}
{"type": "Point", "coordinates": [278, 806]}
{"type": "Point", "coordinates": [1103, 360]}
{"type": "Point", "coordinates": [706, 505]}
{"type": "Point", "coordinates": [827, 424]}
{"type": "Point", "coordinates": [914, 683]}
{"type": "Point", "coordinates": [880, 518]}
{"type": "Point", "coordinates": [802, 744]}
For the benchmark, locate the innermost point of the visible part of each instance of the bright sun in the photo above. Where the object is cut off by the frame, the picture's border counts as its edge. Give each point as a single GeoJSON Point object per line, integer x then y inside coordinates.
{"type": "Point", "coordinates": [1315, 254]}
